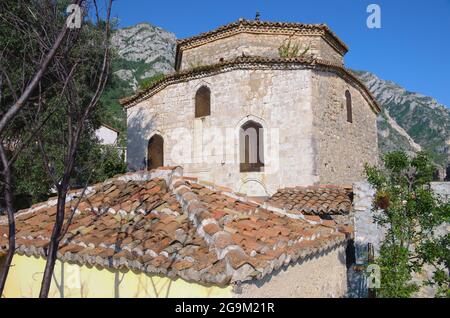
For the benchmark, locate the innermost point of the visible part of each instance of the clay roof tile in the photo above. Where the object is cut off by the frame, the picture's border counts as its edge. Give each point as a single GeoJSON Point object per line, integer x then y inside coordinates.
{"type": "Point", "coordinates": [166, 237]}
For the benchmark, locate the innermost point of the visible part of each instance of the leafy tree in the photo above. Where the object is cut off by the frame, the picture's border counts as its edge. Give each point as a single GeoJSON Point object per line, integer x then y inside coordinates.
{"type": "Point", "coordinates": [49, 108]}
{"type": "Point", "coordinates": [21, 52]}
{"type": "Point", "coordinates": [410, 212]}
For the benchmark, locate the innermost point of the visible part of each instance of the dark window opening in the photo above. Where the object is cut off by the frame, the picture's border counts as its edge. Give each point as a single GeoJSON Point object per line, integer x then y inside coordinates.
{"type": "Point", "coordinates": [350, 254]}
{"type": "Point", "coordinates": [348, 102]}
{"type": "Point", "coordinates": [203, 102]}
{"type": "Point", "coordinates": [251, 147]}
{"type": "Point", "coordinates": [155, 154]}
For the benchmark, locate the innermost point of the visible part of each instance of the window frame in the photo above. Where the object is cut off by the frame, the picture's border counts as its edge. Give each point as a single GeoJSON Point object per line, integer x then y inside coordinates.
{"type": "Point", "coordinates": [202, 95]}
{"type": "Point", "coordinates": [349, 106]}
{"type": "Point", "coordinates": [245, 146]}
{"type": "Point", "coordinates": [158, 141]}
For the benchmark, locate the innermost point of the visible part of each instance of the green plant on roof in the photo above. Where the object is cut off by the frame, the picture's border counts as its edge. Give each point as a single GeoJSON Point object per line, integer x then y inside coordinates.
{"type": "Point", "coordinates": [195, 64]}
{"type": "Point", "coordinates": [288, 50]}
{"type": "Point", "coordinates": [149, 81]}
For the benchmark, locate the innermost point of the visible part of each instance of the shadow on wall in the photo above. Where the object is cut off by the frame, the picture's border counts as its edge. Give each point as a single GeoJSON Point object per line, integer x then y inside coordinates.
{"type": "Point", "coordinates": [287, 270]}
{"type": "Point", "coordinates": [138, 134]}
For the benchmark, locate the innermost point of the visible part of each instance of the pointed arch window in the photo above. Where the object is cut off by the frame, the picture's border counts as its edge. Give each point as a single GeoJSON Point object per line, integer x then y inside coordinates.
{"type": "Point", "coordinates": [251, 144]}
{"type": "Point", "coordinates": [348, 103]}
{"type": "Point", "coordinates": [202, 102]}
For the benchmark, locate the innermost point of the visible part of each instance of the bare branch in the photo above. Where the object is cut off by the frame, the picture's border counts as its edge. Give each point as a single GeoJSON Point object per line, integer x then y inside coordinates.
{"type": "Point", "coordinates": [36, 131]}
{"type": "Point", "coordinates": [12, 111]}
{"type": "Point", "coordinates": [74, 140]}
{"type": "Point", "coordinates": [11, 221]}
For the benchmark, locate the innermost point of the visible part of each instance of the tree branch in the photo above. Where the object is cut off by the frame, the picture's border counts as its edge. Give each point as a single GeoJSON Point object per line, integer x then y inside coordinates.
{"type": "Point", "coordinates": [17, 106]}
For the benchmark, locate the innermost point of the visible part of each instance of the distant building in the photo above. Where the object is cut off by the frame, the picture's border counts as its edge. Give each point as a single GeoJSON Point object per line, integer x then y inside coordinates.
{"type": "Point", "coordinates": [107, 135]}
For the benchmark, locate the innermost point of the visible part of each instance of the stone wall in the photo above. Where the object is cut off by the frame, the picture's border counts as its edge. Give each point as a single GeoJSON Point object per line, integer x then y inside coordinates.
{"type": "Point", "coordinates": [366, 231]}
{"type": "Point", "coordinates": [279, 100]}
{"type": "Point", "coordinates": [255, 45]}
{"type": "Point", "coordinates": [343, 148]}
{"type": "Point", "coordinates": [322, 276]}
{"type": "Point", "coordinates": [306, 137]}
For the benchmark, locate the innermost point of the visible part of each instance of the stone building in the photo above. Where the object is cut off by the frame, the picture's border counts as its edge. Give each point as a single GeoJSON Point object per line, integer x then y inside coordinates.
{"type": "Point", "coordinates": [257, 106]}
{"type": "Point", "coordinates": [107, 135]}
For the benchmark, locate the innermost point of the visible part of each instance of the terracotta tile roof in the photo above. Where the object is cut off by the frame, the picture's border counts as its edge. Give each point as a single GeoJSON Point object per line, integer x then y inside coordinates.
{"type": "Point", "coordinates": [161, 223]}
{"type": "Point", "coordinates": [317, 200]}
{"type": "Point", "coordinates": [251, 62]}
{"type": "Point", "coordinates": [243, 25]}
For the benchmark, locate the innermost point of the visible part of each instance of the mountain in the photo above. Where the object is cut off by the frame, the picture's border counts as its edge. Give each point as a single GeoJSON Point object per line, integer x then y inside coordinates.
{"type": "Point", "coordinates": [409, 121]}
{"type": "Point", "coordinates": [143, 51]}
{"type": "Point", "coordinates": [140, 52]}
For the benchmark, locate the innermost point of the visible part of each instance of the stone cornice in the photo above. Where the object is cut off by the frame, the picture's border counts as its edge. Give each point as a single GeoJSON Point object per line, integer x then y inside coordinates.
{"type": "Point", "coordinates": [253, 63]}
{"type": "Point", "coordinates": [264, 27]}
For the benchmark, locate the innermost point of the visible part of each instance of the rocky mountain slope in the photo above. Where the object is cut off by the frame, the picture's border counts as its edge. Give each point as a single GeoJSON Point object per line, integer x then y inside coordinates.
{"type": "Point", "coordinates": [140, 52]}
{"type": "Point", "coordinates": [409, 121]}
{"type": "Point", "coordinates": [143, 51]}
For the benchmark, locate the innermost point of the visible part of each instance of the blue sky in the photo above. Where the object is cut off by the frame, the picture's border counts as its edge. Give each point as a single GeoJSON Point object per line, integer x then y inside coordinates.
{"type": "Point", "coordinates": [412, 47]}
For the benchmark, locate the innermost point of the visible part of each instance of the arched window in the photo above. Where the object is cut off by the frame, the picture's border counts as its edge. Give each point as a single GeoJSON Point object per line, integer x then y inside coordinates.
{"type": "Point", "coordinates": [348, 103]}
{"type": "Point", "coordinates": [251, 147]}
{"type": "Point", "coordinates": [203, 102]}
{"type": "Point", "coordinates": [155, 153]}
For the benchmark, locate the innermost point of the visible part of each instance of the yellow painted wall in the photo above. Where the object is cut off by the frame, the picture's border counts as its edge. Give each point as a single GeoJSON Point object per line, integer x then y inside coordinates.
{"type": "Point", "coordinates": [25, 277]}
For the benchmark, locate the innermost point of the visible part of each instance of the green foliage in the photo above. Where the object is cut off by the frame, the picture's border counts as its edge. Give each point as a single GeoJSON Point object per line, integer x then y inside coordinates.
{"type": "Point", "coordinates": [428, 126]}
{"type": "Point", "coordinates": [118, 88]}
{"type": "Point", "coordinates": [395, 272]}
{"type": "Point", "coordinates": [114, 113]}
{"type": "Point", "coordinates": [113, 163]}
{"type": "Point", "coordinates": [147, 82]}
{"type": "Point", "coordinates": [195, 64]}
{"type": "Point", "coordinates": [31, 183]}
{"type": "Point", "coordinates": [409, 210]}
{"type": "Point", "coordinates": [95, 163]}
{"type": "Point", "coordinates": [289, 50]}
{"type": "Point", "coordinates": [427, 123]}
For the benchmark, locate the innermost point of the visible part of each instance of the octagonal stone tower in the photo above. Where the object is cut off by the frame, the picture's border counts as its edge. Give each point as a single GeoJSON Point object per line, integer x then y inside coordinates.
{"type": "Point", "coordinates": [257, 106]}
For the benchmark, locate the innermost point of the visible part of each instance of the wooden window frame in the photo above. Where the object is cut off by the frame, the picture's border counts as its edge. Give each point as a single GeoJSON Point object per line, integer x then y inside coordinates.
{"type": "Point", "coordinates": [155, 138]}
{"type": "Point", "coordinates": [202, 102]}
{"type": "Point", "coordinates": [244, 144]}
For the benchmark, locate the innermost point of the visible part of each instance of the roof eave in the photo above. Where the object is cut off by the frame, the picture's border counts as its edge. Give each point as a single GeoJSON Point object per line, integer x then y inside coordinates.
{"type": "Point", "coordinates": [140, 96]}
{"type": "Point", "coordinates": [241, 24]}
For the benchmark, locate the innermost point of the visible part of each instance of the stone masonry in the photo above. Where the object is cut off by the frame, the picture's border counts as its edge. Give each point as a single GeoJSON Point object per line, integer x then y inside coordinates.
{"type": "Point", "coordinates": [255, 45]}
{"type": "Point", "coordinates": [299, 103]}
